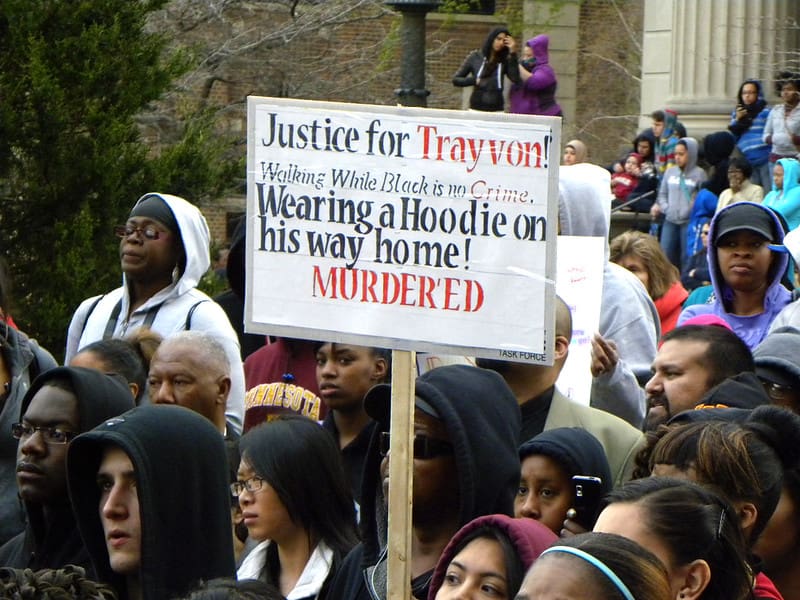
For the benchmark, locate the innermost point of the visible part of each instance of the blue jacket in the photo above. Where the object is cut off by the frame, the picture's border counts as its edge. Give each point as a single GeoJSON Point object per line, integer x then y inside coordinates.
{"type": "Point", "coordinates": [787, 200]}
{"type": "Point", "coordinates": [749, 131]}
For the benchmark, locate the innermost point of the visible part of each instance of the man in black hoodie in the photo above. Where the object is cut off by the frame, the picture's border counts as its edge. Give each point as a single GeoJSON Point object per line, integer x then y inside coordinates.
{"type": "Point", "coordinates": [60, 404]}
{"type": "Point", "coordinates": [466, 427]}
{"type": "Point", "coordinates": [159, 476]}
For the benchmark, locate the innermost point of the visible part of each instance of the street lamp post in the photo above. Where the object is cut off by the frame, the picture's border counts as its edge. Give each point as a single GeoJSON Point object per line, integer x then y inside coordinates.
{"type": "Point", "coordinates": [412, 90]}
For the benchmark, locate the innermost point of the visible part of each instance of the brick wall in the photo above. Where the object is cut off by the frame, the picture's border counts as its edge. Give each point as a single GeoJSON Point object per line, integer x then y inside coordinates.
{"type": "Point", "coordinates": [360, 63]}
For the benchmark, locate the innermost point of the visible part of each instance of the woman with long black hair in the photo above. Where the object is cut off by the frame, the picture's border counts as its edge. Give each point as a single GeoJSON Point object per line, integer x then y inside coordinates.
{"type": "Point", "coordinates": [296, 502]}
{"type": "Point", "coordinates": [485, 69]}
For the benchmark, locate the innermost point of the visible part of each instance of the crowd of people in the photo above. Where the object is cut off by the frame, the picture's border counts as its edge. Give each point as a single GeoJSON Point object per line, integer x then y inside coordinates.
{"type": "Point", "coordinates": [173, 457]}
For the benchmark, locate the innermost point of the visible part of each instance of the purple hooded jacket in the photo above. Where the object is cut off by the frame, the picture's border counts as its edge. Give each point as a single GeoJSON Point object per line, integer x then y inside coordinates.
{"type": "Point", "coordinates": [752, 329]}
{"type": "Point", "coordinates": [537, 94]}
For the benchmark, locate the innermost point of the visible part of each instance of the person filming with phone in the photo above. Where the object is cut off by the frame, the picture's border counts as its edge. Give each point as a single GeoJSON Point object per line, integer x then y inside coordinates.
{"type": "Point", "coordinates": [485, 69]}
{"type": "Point", "coordinates": [564, 474]}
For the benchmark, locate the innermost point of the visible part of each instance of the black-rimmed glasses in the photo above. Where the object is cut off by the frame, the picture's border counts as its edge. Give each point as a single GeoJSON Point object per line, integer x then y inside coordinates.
{"type": "Point", "coordinates": [776, 391]}
{"type": "Point", "coordinates": [253, 484]}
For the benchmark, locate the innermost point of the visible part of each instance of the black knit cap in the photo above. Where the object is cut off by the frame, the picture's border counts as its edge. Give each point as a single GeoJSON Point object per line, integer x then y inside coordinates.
{"type": "Point", "coordinates": [154, 207]}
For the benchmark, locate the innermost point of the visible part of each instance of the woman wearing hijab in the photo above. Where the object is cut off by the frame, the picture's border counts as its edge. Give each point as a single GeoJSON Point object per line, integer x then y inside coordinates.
{"type": "Point", "coordinates": [575, 152]}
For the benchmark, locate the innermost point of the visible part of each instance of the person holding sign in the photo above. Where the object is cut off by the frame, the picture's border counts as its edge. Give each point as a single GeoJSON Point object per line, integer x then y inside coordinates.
{"type": "Point", "coordinates": [485, 68]}
{"type": "Point", "coordinates": [466, 426]}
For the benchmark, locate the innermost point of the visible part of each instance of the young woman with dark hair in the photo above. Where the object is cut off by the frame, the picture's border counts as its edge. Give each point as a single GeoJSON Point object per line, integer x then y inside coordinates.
{"type": "Point", "coordinates": [295, 501]}
{"type": "Point", "coordinates": [596, 565]}
{"type": "Point", "coordinates": [745, 461]}
{"type": "Point", "coordinates": [485, 70]}
{"type": "Point", "coordinates": [488, 557]}
{"type": "Point", "coordinates": [692, 530]}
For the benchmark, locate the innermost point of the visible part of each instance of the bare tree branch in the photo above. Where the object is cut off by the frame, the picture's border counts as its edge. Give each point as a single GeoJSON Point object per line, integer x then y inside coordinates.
{"type": "Point", "coordinates": [632, 35]}
{"type": "Point", "coordinates": [619, 66]}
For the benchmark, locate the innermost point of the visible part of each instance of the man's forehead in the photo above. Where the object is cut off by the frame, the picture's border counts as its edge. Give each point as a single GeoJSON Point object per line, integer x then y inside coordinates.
{"type": "Point", "coordinates": [53, 404]}
{"type": "Point", "coordinates": [681, 352]}
{"type": "Point", "coordinates": [179, 355]}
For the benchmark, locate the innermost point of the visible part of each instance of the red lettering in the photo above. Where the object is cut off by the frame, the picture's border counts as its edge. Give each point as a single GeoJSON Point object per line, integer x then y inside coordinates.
{"type": "Point", "coordinates": [426, 287]}
{"type": "Point", "coordinates": [324, 286]}
{"type": "Point", "coordinates": [404, 289]}
{"type": "Point", "coordinates": [407, 288]}
{"type": "Point", "coordinates": [449, 292]}
{"type": "Point", "coordinates": [343, 280]}
{"type": "Point", "coordinates": [368, 287]}
{"type": "Point", "coordinates": [478, 299]}
{"type": "Point", "coordinates": [426, 139]}
{"type": "Point", "coordinates": [387, 277]}
{"type": "Point", "coordinates": [495, 151]}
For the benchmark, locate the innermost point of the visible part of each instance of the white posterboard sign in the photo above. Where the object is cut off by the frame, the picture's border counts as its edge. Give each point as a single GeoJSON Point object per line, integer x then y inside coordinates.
{"type": "Point", "coordinates": [579, 282]}
{"type": "Point", "coordinates": [405, 228]}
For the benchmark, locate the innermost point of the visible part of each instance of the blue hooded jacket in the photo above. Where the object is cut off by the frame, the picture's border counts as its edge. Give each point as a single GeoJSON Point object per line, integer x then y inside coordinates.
{"type": "Point", "coordinates": [787, 200]}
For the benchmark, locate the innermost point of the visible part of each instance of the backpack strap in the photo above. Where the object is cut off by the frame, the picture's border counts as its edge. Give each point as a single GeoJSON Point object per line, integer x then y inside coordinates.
{"type": "Point", "coordinates": [188, 325]}
{"type": "Point", "coordinates": [89, 314]}
{"type": "Point", "coordinates": [111, 324]}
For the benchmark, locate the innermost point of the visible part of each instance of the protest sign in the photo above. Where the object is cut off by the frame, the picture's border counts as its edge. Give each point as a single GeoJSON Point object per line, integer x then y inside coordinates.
{"type": "Point", "coordinates": [579, 283]}
{"type": "Point", "coordinates": [413, 229]}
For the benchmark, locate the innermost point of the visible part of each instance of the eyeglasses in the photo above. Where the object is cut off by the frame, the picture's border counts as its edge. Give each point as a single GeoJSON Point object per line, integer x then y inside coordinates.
{"type": "Point", "coordinates": [776, 391]}
{"type": "Point", "coordinates": [424, 447]}
{"type": "Point", "coordinates": [253, 484]}
{"type": "Point", "coordinates": [148, 232]}
{"type": "Point", "coordinates": [51, 435]}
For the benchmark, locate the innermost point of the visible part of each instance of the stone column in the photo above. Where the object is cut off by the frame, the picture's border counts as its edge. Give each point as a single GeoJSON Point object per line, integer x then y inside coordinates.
{"type": "Point", "coordinates": [696, 53]}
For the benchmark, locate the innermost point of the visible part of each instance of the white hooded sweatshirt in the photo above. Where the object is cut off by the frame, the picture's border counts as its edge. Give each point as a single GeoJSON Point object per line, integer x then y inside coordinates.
{"type": "Point", "coordinates": [90, 320]}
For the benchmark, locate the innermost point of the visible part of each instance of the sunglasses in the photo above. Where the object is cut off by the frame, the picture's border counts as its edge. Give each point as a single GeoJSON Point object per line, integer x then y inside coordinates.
{"type": "Point", "coordinates": [777, 391]}
{"type": "Point", "coordinates": [424, 447]}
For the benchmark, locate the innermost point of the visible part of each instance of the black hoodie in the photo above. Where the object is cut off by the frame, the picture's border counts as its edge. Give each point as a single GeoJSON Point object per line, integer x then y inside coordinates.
{"type": "Point", "coordinates": [54, 544]}
{"type": "Point", "coordinates": [232, 300]}
{"type": "Point", "coordinates": [578, 452]}
{"type": "Point", "coordinates": [482, 419]}
{"type": "Point", "coordinates": [184, 500]}
{"type": "Point", "coordinates": [744, 390]}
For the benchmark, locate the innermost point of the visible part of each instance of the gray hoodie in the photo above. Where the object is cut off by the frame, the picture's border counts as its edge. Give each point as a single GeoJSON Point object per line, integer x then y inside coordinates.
{"type": "Point", "coordinates": [680, 186]}
{"type": "Point", "coordinates": [627, 314]}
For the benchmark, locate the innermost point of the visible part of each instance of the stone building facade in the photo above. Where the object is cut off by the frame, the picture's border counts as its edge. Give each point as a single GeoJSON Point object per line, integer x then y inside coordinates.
{"type": "Point", "coordinates": [616, 62]}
